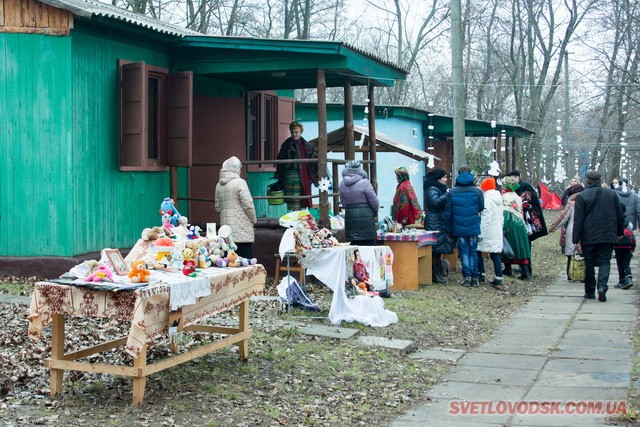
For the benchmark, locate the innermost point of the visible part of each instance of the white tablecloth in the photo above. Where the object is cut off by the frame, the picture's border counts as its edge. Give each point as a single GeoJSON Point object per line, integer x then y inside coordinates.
{"type": "Point", "coordinates": [329, 265]}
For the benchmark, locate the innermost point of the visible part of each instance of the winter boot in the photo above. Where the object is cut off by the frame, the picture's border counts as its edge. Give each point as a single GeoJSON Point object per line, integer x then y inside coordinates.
{"type": "Point", "coordinates": [497, 284]}
{"type": "Point", "coordinates": [526, 272]}
{"type": "Point", "coordinates": [627, 282]}
{"type": "Point", "coordinates": [507, 270]}
{"type": "Point", "coordinates": [437, 273]}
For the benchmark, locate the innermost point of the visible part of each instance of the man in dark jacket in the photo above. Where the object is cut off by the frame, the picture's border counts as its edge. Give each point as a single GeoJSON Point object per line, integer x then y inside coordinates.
{"type": "Point", "coordinates": [462, 216]}
{"type": "Point", "coordinates": [435, 202]}
{"type": "Point", "coordinates": [598, 221]}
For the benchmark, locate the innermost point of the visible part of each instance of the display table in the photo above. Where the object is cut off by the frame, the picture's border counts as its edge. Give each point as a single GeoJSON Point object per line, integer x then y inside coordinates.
{"type": "Point", "coordinates": [149, 312]}
{"type": "Point", "coordinates": [412, 257]}
{"type": "Point", "coordinates": [332, 266]}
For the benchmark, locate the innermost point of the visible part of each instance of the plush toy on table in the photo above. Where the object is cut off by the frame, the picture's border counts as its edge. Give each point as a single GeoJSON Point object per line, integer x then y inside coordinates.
{"type": "Point", "coordinates": [232, 259]}
{"type": "Point", "coordinates": [102, 274]}
{"type": "Point", "coordinates": [139, 272]}
{"type": "Point", "coordinates": [168, 207]}
{"type": "Point", "coordinates": [194, 232]}
{"type": "Point", "coordinates": [225, 235]}
{"type": "Point", "coordinates": [188, 264]}
{"type": "Point", "coordinates": [153, 233]}
{"type": "Point", "coordinates": [203, 257]}
{"type": "Point", "coordinates": [177, 260]}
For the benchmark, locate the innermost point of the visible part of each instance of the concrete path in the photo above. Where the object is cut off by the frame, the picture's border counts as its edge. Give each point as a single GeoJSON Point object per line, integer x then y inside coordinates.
{"type": "Point", "coordinates": [558, 348]}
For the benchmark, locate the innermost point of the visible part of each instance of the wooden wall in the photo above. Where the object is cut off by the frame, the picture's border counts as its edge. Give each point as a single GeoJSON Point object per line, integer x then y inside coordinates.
{"type": "Point", "coordinates": [32, 16]}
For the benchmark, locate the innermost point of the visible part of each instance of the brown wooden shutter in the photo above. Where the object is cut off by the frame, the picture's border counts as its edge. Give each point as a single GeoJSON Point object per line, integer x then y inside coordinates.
{"type": "Point", "coordinates": [133, 111]}
{"type": "Point", "coordinates": [286, 114]}
{"type": "Point", "coordinates": [179, 119]}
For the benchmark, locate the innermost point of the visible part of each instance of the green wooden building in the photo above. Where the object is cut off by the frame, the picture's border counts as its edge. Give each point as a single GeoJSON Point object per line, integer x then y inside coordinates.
{"type": "Point", "coordinates": [104, 112]}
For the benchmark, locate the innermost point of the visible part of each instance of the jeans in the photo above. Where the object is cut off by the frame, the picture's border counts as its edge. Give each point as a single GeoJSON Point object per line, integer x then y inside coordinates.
{"type": "Point", "coordinates": [600, 255]}
{"type": "Point", "coordinates": [467, 247]}
{"type": "Point", "coordinates": [623, 259]}
{"type": "Point", "coordinates": [495, 258]}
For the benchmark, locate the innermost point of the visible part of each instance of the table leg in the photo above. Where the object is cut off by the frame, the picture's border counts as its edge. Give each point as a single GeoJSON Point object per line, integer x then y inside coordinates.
{"type": "Point", "coordinates": [57, 351]}
{"type": "Point", "coordinates": [140, 380]}
{"type": "Point", "coordinates": [425, 263]}
{"type": "Point", "coordinates": [243, 327]}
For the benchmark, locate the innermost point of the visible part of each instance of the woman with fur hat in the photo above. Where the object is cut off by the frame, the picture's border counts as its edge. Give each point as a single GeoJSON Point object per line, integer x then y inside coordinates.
{"type": "Point", "coordinates": [491, 221]}
{"type": "Point", "coordinates": [565, 219]}
{"type": "Point", "coordinates": [297, 177]}
{"type": "Point", "coordinates": [406, 208]}
{"type": "Point", "coordinates": [360, 203]}
{"type": "Point", "coordinates": [514, 228]}
{"type": "Point", "coordinates": [436, 198]}
{"type": "Point", "coordinates": [235, 204]}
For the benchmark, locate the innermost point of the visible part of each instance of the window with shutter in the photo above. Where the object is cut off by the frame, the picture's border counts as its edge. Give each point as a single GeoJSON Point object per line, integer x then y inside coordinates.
{"type": "Point", "coordinates": [155, 117]}
{"type": "Point", "coordinates": [262, 129]}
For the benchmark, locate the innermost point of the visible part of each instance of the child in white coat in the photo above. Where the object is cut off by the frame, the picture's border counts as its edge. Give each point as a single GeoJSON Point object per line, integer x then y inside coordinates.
{"type": "Point", "coordinates": [490, 239]}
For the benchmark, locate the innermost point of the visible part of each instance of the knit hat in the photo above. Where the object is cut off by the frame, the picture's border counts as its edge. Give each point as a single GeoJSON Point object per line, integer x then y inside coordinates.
{"type": "Point", "coordinates": [354, 167]}
{"type": "Point", "coordinates": [514, 172]}
{"type": "Point", "coordinates": [436, 174]}
{"type": "Point", "coordinates": [488, 184]}
{"type": "Point", "coordinates": [232, 164]}
{"type": "Point", "coordinates": [510, 182]}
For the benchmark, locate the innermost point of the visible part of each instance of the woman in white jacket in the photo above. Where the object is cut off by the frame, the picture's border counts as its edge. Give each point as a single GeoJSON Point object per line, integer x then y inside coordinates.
{"type": "Point", "coordinates": [491, 220]}
{"type": "Point", "coordinates": [235, 204]}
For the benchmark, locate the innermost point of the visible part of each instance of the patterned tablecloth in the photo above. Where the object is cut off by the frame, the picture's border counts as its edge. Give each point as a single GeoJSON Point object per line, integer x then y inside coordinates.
{"type": "Point", "coordinates": [421, 236]}
{"type": "Point", "coordinates": [146, 308]}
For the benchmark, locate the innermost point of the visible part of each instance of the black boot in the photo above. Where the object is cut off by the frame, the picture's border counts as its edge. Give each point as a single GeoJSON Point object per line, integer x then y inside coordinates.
{"type": "Point", "coordinates": [438, 277]}
{"type": "Point", "coordinates": [526, 272]}
{"type": "Point", "coordinates": [507, 270]}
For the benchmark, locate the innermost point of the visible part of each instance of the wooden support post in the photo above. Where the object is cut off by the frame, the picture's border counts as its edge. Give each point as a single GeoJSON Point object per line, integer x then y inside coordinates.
{"type": "Point", "coordinates": [322, 145]}
{"type": "Point", "coordinates": [336, 188]}
{"type": "Point", "coordinates": [173, 185]}
{"type": "Point", "coordinates": [57, 351]}
{"type": "Point", "coordinates": [373, 172]}
{"type": "Point", "coordinates": [243, 345]}
{"type": "Point", "coordinates": [349, 143]}
{"type": "Point", "coordinates": [140, 378]}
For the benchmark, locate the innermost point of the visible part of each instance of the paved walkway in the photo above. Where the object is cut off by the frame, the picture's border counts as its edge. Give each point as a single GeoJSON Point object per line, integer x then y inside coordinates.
{"type": "Point", "coordinates": [559, 347]}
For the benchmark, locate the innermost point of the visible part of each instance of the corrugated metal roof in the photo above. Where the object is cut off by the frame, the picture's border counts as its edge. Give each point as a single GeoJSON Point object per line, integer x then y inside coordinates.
{"type": "Point", "coordinates": [88, 9]}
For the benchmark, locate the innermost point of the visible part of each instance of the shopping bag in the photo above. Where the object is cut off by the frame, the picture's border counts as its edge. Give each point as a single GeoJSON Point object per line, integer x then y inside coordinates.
{"type": "Point", "coordinates": [507, 250]}
{"type": "Point", "coordinates": [275, 188]}
{"type": "Point", "coordinates": [576, 268]}
{"type": "Point", "coordinates": [563, 236]}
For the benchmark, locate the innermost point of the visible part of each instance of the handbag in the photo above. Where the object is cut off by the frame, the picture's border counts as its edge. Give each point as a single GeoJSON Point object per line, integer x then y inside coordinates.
{"type": "Point", "coordinates": [444, 244]}
{"type": "Point", "coordinates": [507, 250]}
{"type": "Point", "coordinates": [563, 236]}
{"type": "Point", "coordinates": [577, 268]}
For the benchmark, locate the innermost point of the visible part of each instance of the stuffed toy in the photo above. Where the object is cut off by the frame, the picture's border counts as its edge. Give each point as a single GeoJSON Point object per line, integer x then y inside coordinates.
{"type": "Point", "coordinates": [139, 272]}
{"type": "Point", "coordinates": [188, 264]}
{"type": "Point", "coordinates": [226, 239]}
{"type": "Point", "coordinates": [102, 274]}
{"type": "Point", "coordinates": [245, 262]}
{"type": "Point", "coordinates": [194, 232]}
{"type": "Point", "coordinates": [153, 233]}
{"type": "Point", "coordinates": [168, 207]}
{"type": "Point", "coordinates": [163, 247]}
{"type": "Point", "coordinates": [221, 262]}
{"type": "Point", "coordinates": [166, 221]}
{"type": "Point", "coordinates": [232, 259]}
{"type": "Point", "coordinates": [203, 257]}
{"type": "Point", "coordinates": [177, 260]}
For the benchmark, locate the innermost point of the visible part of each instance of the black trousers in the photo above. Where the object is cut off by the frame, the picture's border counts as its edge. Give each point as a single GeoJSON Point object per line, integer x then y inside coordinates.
{"type": "Point", "coordinates": [596, 255]}
{"type": "Point", "coordinates": [623, 261]}
{"type": "Point", "coordinates": [244, 250]}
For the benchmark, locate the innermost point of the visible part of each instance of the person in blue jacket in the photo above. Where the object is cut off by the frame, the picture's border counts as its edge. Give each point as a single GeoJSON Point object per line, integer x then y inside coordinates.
{"type": "Point", "coordinates": [462, 214]}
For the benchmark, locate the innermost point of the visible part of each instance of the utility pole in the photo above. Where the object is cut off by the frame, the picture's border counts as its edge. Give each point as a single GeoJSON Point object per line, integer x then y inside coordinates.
{"type": "Point", "coordinates": [457, 79]}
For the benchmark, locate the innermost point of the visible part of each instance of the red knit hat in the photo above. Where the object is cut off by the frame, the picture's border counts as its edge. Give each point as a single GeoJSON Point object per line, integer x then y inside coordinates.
{"type": "Point", "coordinates": [488, 184]}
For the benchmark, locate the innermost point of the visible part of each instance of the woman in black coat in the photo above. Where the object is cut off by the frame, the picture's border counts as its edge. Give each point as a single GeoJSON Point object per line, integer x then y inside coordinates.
{"type": "Point", "coordinates": [435, 202]}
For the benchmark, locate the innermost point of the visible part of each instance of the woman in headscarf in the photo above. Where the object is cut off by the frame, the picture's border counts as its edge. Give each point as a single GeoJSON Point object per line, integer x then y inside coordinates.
{"type": "Point", "coordinates": [565, 220]}
{"type": "Point", "coordinates": [514, 228]}
{"type": "Point", "coordinates": [361, 204]}
{"type": "Point", "coordinates": [235, 204]}
{"type": "Point", "coordinates": [297, 177]}
{"type": "Point", "coordinates": [435, 203]}
{"type": "Point", "coordinates": [406, 209]}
